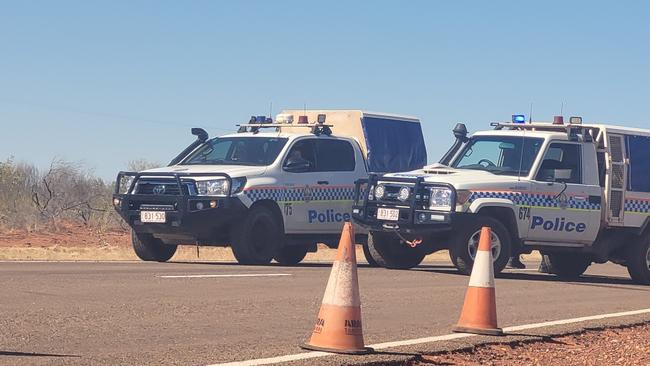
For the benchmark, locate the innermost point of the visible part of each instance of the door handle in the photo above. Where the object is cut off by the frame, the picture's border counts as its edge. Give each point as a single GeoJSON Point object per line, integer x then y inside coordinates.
{"type": "Point", "coordinates": [323, 182]}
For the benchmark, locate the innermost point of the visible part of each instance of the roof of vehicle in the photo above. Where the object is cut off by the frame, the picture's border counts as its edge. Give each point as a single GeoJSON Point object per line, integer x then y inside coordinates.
{"type": "Point", "coordinates": [518, 133]}
{"type": "Point", "coordinates": [285, 134]}
{"type": "Point", "coordinates": [544, 129]}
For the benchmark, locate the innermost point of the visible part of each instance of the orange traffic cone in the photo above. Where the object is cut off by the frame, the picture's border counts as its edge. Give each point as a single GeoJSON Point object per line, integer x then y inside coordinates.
{"type": "Point", "coordinates": [338, 326]}
{"type": "Point", "coordinates": [479, 314]}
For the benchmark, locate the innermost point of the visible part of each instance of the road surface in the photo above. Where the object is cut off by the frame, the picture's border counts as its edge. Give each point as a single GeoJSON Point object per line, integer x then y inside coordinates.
{"type": "Point", "coordinates": [137, 313]}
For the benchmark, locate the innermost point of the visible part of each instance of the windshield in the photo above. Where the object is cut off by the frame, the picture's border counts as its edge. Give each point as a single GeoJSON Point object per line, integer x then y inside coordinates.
{"type": "Point", "coordinates": [260, 151]}
{"type": "Point", "coordinates": [499, 154]}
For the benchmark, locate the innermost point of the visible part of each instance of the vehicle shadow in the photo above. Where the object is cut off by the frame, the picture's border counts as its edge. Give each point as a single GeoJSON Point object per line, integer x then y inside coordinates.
{"type": "Point", "coordinates": [305, 265]}
{"type": "Point", "coordinates": [34, 354]}
{"type": "Point", "coordinates": [585, 280]}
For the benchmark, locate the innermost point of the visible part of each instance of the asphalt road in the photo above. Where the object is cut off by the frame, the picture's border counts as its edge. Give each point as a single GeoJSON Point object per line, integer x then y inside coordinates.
{"type": "Point", "coordinates": [126, 313]}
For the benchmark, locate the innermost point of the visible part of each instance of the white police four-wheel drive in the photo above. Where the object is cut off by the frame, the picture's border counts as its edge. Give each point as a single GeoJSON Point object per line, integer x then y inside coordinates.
{"type": "Point", "coordinates": [578, 193]}
{"type": "Point", "coordinates": [272, 190]}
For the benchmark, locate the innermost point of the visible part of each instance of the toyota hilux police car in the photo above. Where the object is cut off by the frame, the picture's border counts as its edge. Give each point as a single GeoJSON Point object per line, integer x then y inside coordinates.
{"type": "Point", "coordinates": [578, 193]}
{"type": "Point", "coordinates": [271, 190]}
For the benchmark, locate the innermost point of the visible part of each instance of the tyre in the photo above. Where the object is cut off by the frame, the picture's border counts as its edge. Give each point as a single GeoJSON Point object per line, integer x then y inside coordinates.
{"type": "Point", "coordinates": [465, 239]}
{"type": "Point", "coordinates": [150, 249]}
{"type": "Point", "coordinates": [567, 266]}
{"type": "Point", "coordinates": [638, 261]}
{"type": "Point", "coordinates": [366, 252]}
{"type": "Point", "coordinates": [389, 251]}
{"type": "Point", "coordinates": [290, 255]}
{"type": "Point", "coordinates": [257, 238]}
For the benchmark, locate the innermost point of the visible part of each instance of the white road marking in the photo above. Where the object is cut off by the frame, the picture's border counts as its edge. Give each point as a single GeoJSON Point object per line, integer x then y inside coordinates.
{"type": "Point", "coordinates": [227, 275]}
{"type": "Point", "coordinates": [446, 337]}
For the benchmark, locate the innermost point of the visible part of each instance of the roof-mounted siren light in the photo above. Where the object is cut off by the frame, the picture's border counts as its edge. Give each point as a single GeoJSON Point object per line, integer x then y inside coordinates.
{"type": "Point", "coordinates": [321, 119]}
{"type": "Point", "coordinates": [558, 120]}
{"type": "Point", "coordinates": [518, 118]}
{"type": "Point", "coordinates": [575, 120]}
{"type": "Point", "coordinates": [284, 118]}
{"type": "Point", "coordinates": [302, 120]}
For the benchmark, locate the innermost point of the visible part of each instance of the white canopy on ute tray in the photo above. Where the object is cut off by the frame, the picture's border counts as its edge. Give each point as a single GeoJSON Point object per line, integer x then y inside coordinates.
{"type": "Point", "coordinates": [390, 142]}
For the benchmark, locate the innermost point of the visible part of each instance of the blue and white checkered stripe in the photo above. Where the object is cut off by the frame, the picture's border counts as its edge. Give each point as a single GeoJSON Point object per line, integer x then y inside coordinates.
{"type": "Point", "coordinates": [298, 194]}
{"type": "Point", "coordinates": [533, 200]}
{"type": "Point", "coordinates": [641, 206]}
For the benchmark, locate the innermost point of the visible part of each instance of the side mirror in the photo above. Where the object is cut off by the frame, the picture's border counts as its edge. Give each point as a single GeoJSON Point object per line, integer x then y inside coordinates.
{"type": "Point", "coordinates": [297, 166]}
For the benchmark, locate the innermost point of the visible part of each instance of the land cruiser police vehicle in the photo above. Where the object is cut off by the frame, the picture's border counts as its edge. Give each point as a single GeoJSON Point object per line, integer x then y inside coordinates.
{"type": "Point", "coordinates": [272, 190]}
{"type": "Point", "coordinates": [578, 193]}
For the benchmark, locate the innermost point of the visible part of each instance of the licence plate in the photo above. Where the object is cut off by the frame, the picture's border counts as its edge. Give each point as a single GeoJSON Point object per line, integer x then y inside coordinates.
{"type": "Point", "coordinates": [390, 214]}
{"type": "Point", "coordinates": [153, 216]}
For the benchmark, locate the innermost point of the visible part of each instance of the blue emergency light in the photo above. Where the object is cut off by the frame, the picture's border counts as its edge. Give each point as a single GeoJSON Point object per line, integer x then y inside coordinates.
{"type": "Point", "coordinates": [260, 119]}
{"type": "Point", "coordinates": [518, 118]}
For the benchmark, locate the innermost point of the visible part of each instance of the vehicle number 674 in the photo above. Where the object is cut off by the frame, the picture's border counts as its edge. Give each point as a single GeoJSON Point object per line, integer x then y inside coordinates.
{"type": "Point", "coordinates": [524, 213]}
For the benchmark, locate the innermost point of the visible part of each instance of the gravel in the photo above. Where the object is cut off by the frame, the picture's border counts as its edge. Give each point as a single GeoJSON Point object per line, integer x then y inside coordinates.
{"type": "Point", "coordinates": [628, 345]}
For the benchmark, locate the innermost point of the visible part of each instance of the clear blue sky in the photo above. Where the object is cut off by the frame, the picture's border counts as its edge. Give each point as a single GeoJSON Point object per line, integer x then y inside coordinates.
{"type": "Point", "coordinates": [105, 83]}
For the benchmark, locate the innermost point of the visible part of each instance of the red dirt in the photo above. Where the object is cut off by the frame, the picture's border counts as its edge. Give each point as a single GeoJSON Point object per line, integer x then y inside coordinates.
{"type": "Point", "coordinates": [83, 237]}
{"type": "Point", "coordinates": [613, 346]}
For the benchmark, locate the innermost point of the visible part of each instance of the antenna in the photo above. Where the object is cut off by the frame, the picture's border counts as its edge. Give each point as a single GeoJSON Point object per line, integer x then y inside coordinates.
{"type": "Point", "coordinates": [271, 110]}
{"type": "Point", "coordinates": [562, 109]}
{"type": "Point", "coordinates": [523, 143]}
{"type": "Point", "coordinates": [530, 116]}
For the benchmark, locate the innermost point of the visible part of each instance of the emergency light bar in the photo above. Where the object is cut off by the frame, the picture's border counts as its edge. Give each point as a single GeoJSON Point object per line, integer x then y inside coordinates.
{"type": "Point", "coordinates": [317, 128]}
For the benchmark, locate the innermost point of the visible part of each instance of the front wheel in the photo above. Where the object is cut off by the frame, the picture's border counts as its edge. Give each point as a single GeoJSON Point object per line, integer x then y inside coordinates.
{"type": "Point", "coordinates": [638, 261]}
{"type": "Point", "coordinates": [150, 249]}
{"type": "Point", "coordinates": [366, 253]}
{"type": "Point", "coordinates": [465, 244]}
{"type": "Point", "coordinates": [257, 239]}
{"type": "Point", "coordinates": [290, 255]}
{"type": "Point", "coordinates": [567, 266]}
{"type": "Point", "coordinates": [389, 251]}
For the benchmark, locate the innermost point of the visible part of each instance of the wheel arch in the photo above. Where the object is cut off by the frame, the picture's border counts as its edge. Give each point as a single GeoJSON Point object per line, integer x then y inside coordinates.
{"type": "Point", "coordinates": [271, 206]}
{"type": "Point", "coordinates": [505, 213]}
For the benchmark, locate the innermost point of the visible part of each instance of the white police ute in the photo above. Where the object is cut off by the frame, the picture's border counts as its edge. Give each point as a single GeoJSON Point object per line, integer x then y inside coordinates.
{"type": "Point", "coordinates": [272, 190]}
{"type": "Point", "coordinates": [578, 193]}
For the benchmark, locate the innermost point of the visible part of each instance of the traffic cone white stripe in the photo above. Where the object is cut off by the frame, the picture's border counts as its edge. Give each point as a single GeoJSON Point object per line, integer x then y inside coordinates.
{"type": "Point", "coordinates": [482, 276]}
{"type": "Point", "coordinates": [343, 281]}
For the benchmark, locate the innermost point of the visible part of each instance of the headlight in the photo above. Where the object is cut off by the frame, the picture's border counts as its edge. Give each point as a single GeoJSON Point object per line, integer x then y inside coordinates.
{"type": "Point", "coordinates": [380, 191]}
{"type": "Point", "coordinates": [440, 199]}
{"type": "Point", "coordinates": [404, 194]}
{"type": "Point", "coordinates": [124, 184]}
{"type": "Point", "coordinates": [213, 187]}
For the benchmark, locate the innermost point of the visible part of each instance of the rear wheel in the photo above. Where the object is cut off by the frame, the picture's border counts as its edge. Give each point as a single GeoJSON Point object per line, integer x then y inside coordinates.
{"type": "Point", "coordinates": [290, 255]}
{"type": "Point", "coordinates": [465, 244]}
{"type": "Point", "coordinates": [389, 251]}
{"type": "Point", "coordinates": [257, 239]}
{"type": "Point", "coordinates": [638, 261]}
{"type": "Point", "coordinates": [567, 266]}
{"type": "Point", "coordinates": [150, 249]}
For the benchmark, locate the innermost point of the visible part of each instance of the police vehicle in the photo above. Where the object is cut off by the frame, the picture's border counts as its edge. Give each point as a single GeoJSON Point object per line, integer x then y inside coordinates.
{"type": "Point", "coordinates": [272, 190]}
{"type": "Point", "coordinates": [578, 193]}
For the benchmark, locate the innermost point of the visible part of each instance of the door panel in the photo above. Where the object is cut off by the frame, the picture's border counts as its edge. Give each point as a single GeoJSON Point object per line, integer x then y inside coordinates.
{"type": "Point", "coordinates": [564, 209]}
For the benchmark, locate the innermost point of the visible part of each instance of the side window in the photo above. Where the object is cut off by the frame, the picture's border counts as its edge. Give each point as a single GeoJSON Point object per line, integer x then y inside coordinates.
{"type": "Point", "coordinates": [301, 157]}
{"type": "Point", "coordinates": [334, 156]}
{"type": "Point", "coordinates": [561, 163]}
{"type": "Point", "coordinates": [639, 155]}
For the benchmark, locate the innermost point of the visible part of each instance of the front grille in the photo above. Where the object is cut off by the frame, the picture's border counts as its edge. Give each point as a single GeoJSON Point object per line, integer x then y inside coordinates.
{"type": "Point", "coordinates": [167, 187]}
